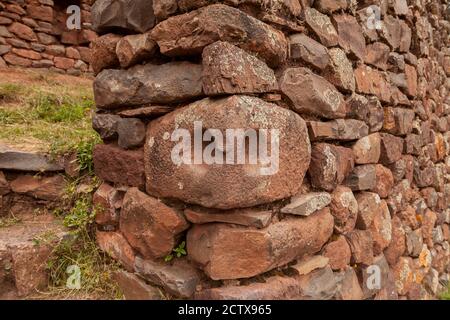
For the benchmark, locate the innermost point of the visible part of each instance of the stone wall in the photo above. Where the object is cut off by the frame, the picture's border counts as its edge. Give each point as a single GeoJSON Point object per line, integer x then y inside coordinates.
{"type": "Point", "coordinates": [352, 200]}
{"type": "Point", "coordinates": [33, 34]}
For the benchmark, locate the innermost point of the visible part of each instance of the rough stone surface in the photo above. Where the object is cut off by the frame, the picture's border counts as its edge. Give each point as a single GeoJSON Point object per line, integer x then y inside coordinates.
{"type": "Point", "coordinates": [339, 129]}
{"type": "Point", "coordinates": [116, 246]}
{"type": "Point", "coordinates": [306, 204]}
{"type": "Point", "coordinates": [123, 167]}
{"type": "Point", "coordinates": [135, 288]}
{"type": "Point", "coordinates": [362, 178]}
{"type": "Point", "coordinates": [45, 188]}
{"type": "Point", "coordinates": [308, 50]}
{"type": "Point", "coordinates": [245, 217]}
{"type": "Point", "coordinates": [104, 52]}
{"type": "Point", "coordinates": [129, 15]}
{"type": "Point", "coordinates": [214, 246]}
{"type": "Point", "coordinates": [167, 83]}
{"type": "Point", "coordinates": [330, 165]}
{"type": "Point", "coordinates": [367, 149]}
{"type": "Point", "coordinates": [189, 33]}
{"type": "Point", "coordinates": [322, 27]}
{"type": "Point", "coordinates": [360, 242]}
{"type": "Point", "coordinates": [207, 185]}
{"type": "Point", "coordinates": [133, 49]}
{"type": "Point", "coordinates": [311, 93]}
{"type": "Point", "coordinates": [151, 227]}
{"type": "Point", "coordinates": [338, 252]}
{"type": "Point", "coordinates": [22, 160]}
{"type": "Point", "coordinates": [351, 36]}
{"type": "Point", "coordinates": [180, 278]}
{"type": "Point", "coordinates": [227, 69]}
{"type": "Point", "coordinates": [344, 208]}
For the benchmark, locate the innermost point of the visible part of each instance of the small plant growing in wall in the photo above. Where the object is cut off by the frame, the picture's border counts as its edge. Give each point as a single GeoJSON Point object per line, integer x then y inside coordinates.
{"type": "Point", "coordinates": [178, 252]}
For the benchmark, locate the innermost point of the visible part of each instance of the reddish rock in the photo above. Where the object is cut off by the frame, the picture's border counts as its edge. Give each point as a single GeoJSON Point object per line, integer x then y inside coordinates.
{"type": "Point", "coordinates": [338, 252]}
{"type": "Point", "coordinates": [227, 252]}
{"type": "Point", "coordinates": [413, 144]}
{"type": "Point", "coordinates": [106, 125]}
{"type": "Point", "coordinates": [409, 217]}
{"type": "Point", "coordinates": [123, 167]}
{"type": "Point", "coordinates": [404, 275]}
{"type": "Point", "coordinates": [322, 27]}
{"type": "Point", "coordinates": [340, 70]}
{"type": "Point", "coordinates": [309, 51]}
{"type": "Point", "coordinates": [151, 227]}
{"type": "Point", "coordinates": [173, 82]}
{"type": "Point", "coordinates": [381, 229]}
{"type": "Point", "coordinates": [367, 149]}
{"type": "Point", "coordinates": [134, 288]}
{"type": "Point", "coordinates": [391, 31]}
{"type": "Point", "coordinates": [206, 181]}
{"type": "Point", "coordinates": [384, 181]}
{"type": "Point", "coordinates": [4, 185]}
{"type": "Point", "coordinates": [72, 53]}
{"type": "Point", "coordinates": [178, 35]}
{"type": "Point", "coordinates": [428, 223]}
{"type": "Point", "coordinates": [368, 110]}
{"type": "Point", "coordinates": [276, 287]}
{"type": "Point", "coordinates": [320, 284]}
{"type": "Point", "coordinates": [16, 60]}
{"type": "Point", "coordinates": [398, 120]}
{"type": "Point", "coordinates": [411, 80]}
{"type": "Point", "coordinates": [133, 49]}
{"type": "Point", "coordinates": [245, 217]}
{"type": "Point", "coordinates": [349, 288]}
{"type": "Point", "coordinates": [306, 204]}
{"type": "Point", "coordinates": [131, 133]}
{"type": "Point", "coordinates": [164, 8]}
{"type": "Point", "coordinates": [22, 31]}
{"type": "Point", "coordinates": [373, 281]}
{"type": "Point", "coordinates": [400, 196]}
{"type": "Point", "coordinates": [179, 278]}
{"type": "Point", "coordinates": [369, 204]}
{"type": "Point", "coordinates": [329, 165]}
{"type": "Point", "coordinates": [306, 265]}
{"type": "Point", "coordinates": [377, 55]}
{"type": "Point", "coordinates": [40, 12]}
{"type": "Point", "coordinates": [312, 94]}
{"type": "Point", "coordinates": [391, 148]}
{"type": "Point", "coordinates": [398, 242]}
{"type": "Point", "coordinates": [340, 129]}
{"type": "Point", "coordinates": [330, 6]}
{"type": "Point", "coordinates": [45, 188]}
{"type": "Point", "coordinates": [351, 37]}
{"type": "Point", "coordinates": [133, 16]}
{"type": "Point", "coordinates": [107, 201]}
{"type": "Point", "coordinates": [360, 242]}
{"type": "Point", "coordinates": [372, 81]}
{"type": "Point", "coordinates": [29, 54]}
{"type": "Point", "coordinates": [63, 63]}
{"type": "Point", "coordinates": [103, 52]}
{"type": "Point", "coordinates": [362, 178]}
{"type": "Point", "coordinates": [344, 209]}
{"type": "Point", "coordinates": [228, 69]}
{"type": "Point", "coordinates": [116, 246]}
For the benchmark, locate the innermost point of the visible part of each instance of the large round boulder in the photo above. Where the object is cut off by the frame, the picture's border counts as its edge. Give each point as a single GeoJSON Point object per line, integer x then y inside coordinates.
{"type": "Point", "coordinates": [232, 152]}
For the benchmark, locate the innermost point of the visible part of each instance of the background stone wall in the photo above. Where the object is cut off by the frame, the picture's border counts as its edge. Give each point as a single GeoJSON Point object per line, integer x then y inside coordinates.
{"type": "Point", "coordinates": [33, 34]}
{"type": "Point", "coordinates": [362, 109]}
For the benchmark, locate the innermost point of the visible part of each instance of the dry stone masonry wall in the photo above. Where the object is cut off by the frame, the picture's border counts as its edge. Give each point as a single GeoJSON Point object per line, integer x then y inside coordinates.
{"type": "Point", "coordinates": [346, 194]}
{"type": "Point", "coordinates": [34, 34]}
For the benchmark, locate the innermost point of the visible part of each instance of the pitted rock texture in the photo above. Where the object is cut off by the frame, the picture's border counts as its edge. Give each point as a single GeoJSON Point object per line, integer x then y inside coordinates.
{"type": "Point", "coordinates": [208, 184]}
